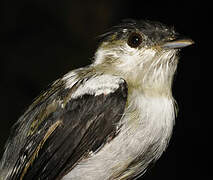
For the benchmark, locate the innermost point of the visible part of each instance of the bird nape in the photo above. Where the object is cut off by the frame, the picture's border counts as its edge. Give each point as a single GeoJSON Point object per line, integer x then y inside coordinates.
{"type": "Point", "coordinates": [108, 120]}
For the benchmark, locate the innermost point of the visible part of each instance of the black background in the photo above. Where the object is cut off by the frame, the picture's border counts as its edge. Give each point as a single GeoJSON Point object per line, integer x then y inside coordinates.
{"type": "Point", "coordinates": [43, 39]}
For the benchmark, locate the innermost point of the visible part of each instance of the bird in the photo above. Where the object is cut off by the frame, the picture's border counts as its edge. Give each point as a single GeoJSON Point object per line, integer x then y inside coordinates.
{"type": "Point", "coordinates": [109, 120]}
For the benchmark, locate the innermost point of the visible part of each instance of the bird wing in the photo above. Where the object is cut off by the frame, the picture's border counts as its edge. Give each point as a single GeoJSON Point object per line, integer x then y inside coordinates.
{"type": "Point", "coordinates": [65, 124]}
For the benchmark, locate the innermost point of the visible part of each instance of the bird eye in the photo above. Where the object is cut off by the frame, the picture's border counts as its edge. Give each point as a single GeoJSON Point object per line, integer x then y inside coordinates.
{"type": "Point", "coordinates": [134, 40]}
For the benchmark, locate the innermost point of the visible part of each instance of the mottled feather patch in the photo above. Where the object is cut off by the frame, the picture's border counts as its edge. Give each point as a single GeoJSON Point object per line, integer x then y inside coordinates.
{"type": "Point", "coordinates": [35, 154]}
{"type": "Point", "coordinates": [41, 116]}
{"type": "Point", "coordinates": [70, 79]}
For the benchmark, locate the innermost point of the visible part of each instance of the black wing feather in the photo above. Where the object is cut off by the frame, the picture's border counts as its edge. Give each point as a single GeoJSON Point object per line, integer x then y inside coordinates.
{"type": "Point", "coordinates": [68, 134]}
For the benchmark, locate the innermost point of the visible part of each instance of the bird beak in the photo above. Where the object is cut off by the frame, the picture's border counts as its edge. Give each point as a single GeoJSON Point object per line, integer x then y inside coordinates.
{"type": "Point", "coordinates": [177, 44]}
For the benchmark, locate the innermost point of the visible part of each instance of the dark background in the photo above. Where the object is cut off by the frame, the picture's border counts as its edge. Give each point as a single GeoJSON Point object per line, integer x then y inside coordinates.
{"type": "Point", "coordinates": [40, 40]}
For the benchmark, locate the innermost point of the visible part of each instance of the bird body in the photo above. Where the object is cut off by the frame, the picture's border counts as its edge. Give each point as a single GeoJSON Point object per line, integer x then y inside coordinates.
{"type": "Point", "coordinates": [109, 120]}
{"type": "Point", "coordinates": [145, 127]}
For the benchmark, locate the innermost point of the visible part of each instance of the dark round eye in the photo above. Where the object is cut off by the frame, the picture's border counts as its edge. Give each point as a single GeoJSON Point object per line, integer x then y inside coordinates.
{"type": "Point", "coordinates": [134, 40]}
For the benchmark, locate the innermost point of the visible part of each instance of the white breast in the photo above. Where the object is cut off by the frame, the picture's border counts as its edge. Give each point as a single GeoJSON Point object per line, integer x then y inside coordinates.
{"type": "Point", "coordinates": [145, 132]}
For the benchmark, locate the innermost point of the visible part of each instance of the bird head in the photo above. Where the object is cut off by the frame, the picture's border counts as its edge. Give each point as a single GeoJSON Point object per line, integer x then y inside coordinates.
{"type": "Point", "coordinates": [144, 53]}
